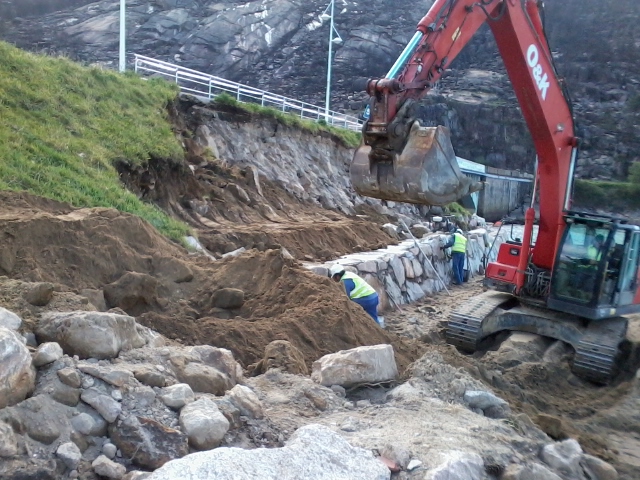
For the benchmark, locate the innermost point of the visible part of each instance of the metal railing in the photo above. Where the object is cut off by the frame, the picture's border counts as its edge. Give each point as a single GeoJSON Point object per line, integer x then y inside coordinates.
{"type": "Point", "coordinates": [207, 87]}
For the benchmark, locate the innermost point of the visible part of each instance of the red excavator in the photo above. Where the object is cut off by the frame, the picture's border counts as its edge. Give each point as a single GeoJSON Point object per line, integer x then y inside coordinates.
{"type": "Point", "coordinates": [574, 280]}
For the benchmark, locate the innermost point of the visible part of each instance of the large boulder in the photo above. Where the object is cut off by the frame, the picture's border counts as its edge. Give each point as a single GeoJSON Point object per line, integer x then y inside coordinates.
{"type": "Point", "coordinates": [283, 355]}
{"type": "Point", "coordinates": [133, 292]}
{"type": "Point", "coordinates": [148, 443]}
{"type": "Point", "coordinates": [371, 364]}
{"type": "Point", "coordinates": [456, 465]}
{"type": "Point", "coordinates": [9, 320]}
{"type": "Point", "coordinates": [90, 334]}
{"type": "Point", "coordinates": [207, 369]}
{"type": "Point", "coordinates": [17, 376]}
{"type": "Point", "coordinates": [563, 458]}
{"type": "Point", "coordinates": [204, 424]}
{"type": "Point", "coordinates": [313, 452]}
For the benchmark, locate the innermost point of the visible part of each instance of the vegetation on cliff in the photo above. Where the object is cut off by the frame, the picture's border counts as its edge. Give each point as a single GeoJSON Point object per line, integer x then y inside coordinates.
{"type": "Point", "coordinates": [63, 126]}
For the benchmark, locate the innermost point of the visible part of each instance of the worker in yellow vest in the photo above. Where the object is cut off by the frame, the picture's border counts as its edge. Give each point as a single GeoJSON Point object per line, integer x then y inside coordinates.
{"type": "Point", "coordinates": [594, 251]}
{"type": "Point", "coordinates": [357, 289]}
{"type": "Point", "coordinates": [458, 244]}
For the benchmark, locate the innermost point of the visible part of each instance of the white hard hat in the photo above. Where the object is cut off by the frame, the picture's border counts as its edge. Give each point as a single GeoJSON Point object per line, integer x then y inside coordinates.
{"type": "Point", "coordinates": [335, 269]}
{"type": "Point", "coordinates": [458, 231]}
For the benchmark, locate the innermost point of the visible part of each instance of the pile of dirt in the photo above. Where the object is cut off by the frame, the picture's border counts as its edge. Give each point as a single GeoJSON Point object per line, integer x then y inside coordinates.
{"type": "Point", "coordinates": [106, 250]}
{"type": "Point", "coordinates": [45, 240]}
{"type": "Point", "coordinates": [283, 302]}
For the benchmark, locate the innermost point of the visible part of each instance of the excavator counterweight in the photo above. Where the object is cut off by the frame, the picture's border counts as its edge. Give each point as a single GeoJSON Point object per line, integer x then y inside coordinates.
{"type": "Point", "coordinates": [425, 172]}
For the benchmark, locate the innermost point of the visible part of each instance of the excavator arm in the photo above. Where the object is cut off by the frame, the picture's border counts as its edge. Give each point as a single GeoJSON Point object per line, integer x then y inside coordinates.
{"type": "Point", "coordinates": [400, 160]}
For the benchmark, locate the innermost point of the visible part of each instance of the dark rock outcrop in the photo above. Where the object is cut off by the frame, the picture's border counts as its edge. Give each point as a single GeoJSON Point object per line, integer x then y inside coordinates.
{"type": "Point", "coordinates": [281, 46]}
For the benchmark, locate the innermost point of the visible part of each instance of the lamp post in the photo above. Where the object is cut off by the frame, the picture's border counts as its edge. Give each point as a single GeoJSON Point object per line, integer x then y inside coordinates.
{"type": "Point", "coordinates": [123, 61]}
{"type": "Point", "coordinates": [337, 39]}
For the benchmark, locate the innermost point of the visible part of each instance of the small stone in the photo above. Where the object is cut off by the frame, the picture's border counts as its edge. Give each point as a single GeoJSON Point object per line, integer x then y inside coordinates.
{"type": "Point", "coordinates": [116, 395]}
{"type": "Point", "coordinates": [73, 474]}
{"type": "Point", "coordinates": [31, 340]}
{"type": "Point", "coordinates": [177, 396]}
{"type": "Point", "coordinates": [70, 454]}
{"type": "Point", "coordinates": [228, 298]}
{"type": "Point", "coordinates": [150, 377]}
{"type": "Point", "coordinates": [87, 382]}
{"type": "Point", "coordinates": [109, 450]}
{"type": "Point", "coordinates": [8, 442]}
{"type": "Point", "coordinates": [108, 468]}
{"type": "Point", "coordinates": [363, 403]}
{"type": "Point", "coordinates": [348, 405]}
{"type": "Point", "coordinates": [247, 401]}
{"type": "Point", "coordinates": [481, 399]}
{"type": "Point", "coordinates": [339, 390]}
{"type": "Point", "coordinates": [413, 464]}
{"type": "Point", "coordinates": [70, 376]}
{"type": "Point", "coordinates": [83, 423]}
{"type": "Point", "coordinates": [398, 454]}
{"type": "Point", "coordinates": [40, 294]}
{"type": "Point", "coordinates": [349, 425]}
{"type": "Point", "coordinates": [104, 405]}
{"type": "Point", "coordinates": [65, 394]}
{"type": "Point", "coordinates": [204, 424]}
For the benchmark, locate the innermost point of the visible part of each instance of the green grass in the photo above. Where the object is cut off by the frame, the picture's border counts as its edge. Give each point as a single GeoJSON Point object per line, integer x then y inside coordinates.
{"type": "Point", "coordinates": [606, 195]}
{"type": "Point", "coordinates": [63, 125]}
{"type": "Point", "coordinates": [349, 138]}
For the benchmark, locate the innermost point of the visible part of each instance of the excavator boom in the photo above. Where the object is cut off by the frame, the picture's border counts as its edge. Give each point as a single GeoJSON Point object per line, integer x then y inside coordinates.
{"type": "Point", "coordinates": [582, 268]}
{"type": "Point", "coordinates": [394, 162]}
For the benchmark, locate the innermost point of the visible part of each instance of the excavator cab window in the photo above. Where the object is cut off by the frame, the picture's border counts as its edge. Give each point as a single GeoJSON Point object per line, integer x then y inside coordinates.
{"type": "Point", "coordinates": [584, 249]}
{"type": "Point", "coordinates": [597, 265]}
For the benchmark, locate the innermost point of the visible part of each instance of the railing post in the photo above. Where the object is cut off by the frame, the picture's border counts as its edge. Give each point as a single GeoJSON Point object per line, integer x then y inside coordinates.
{"type": "Point", "coordinates": [177, 73]}
{"type": "Point", "coordinates": [238, 93]}
{"type": "Point", "coordinates": [209, 89]}
{"type": "Point", "coordinates": [262, 99]}
{"type": "Point", "coordinates": [283, 104]}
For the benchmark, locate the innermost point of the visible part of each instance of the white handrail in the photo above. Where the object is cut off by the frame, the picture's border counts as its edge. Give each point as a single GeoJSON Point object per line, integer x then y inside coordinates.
{"type": "Point", "coordinates": [208, 86]}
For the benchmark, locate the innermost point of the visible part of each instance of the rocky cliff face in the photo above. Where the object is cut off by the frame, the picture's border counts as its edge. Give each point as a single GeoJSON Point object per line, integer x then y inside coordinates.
{"type": "Point", "coordinates": [281, 46]}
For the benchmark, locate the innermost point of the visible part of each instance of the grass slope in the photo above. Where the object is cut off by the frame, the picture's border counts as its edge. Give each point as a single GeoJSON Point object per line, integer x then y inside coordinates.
{"type": "Point", "coordinates": [62, 126]}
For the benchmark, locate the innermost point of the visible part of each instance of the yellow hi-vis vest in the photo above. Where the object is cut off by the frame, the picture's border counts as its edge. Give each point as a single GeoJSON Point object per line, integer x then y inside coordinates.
{"type": "Point", "coordinates": [593, 253]}
{"type": "Point", "coordinates": [361, 289]}
{"type": "Point", "coordinates": [460, 244]}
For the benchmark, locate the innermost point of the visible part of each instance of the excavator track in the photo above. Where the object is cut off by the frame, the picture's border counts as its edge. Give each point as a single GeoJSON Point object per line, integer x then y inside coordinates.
{"type": "Point", "coordinates": [597, 353]}
{"type": "Point", "coordinates": [596, 343]}
{"type": "Point", "coordinates": [464, 329]}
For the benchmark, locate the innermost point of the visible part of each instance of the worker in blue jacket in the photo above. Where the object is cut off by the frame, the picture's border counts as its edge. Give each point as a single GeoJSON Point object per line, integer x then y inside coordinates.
{"type": "Point", "coordinates": [357, 289]}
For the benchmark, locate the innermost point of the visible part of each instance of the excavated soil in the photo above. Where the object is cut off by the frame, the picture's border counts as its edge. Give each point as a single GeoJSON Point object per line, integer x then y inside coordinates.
{"type": "Point", "coordinates": [601, 418]}
{"type": "Point", "coordinates": [76, 249]}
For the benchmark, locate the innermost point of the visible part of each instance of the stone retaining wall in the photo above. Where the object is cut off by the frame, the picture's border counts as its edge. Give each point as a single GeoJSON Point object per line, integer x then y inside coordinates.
{"type": "Point", "coordinates": [401, 274]}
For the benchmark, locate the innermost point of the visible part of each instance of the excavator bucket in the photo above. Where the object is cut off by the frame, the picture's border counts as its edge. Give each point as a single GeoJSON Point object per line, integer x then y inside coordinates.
{"type": "Point", "coordinates": [426, 172]}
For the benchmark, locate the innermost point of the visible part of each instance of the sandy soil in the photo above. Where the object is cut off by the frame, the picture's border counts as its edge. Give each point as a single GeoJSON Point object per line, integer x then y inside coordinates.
{"type": "Point", "coordinates": [602, 418]}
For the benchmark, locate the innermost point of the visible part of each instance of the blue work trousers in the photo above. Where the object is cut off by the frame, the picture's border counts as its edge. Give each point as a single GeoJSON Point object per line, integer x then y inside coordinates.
{"type": "Point", "coordinates": [458, 267]}
{"type": "Point", "coordinates": [370, 305]}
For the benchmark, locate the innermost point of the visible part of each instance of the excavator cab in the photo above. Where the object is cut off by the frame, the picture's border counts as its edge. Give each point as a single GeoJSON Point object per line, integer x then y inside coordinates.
{"type": "Point", "coordinates": [596, 270]}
